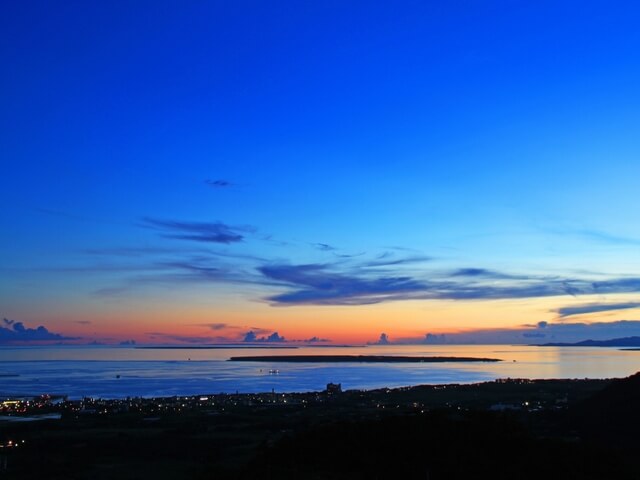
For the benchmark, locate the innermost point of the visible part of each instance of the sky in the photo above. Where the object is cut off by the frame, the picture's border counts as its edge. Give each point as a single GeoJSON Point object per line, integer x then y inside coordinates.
{"type": "Point", "coordinates": [196, 172]}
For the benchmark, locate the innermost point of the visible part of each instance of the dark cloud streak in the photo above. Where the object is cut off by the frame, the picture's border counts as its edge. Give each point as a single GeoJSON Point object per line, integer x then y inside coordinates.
{"type": "Point", "coordinates": [380, 262]}
{"type": "Point", "coordinates": [324, 247]}
{"type": "Point", "coordinates": [219, 183]}
{"type": "Point", "coordinates": [565, 312]}
{"type": "Point", "coordinates": [321, 284]}
{"type": "Point", "coordinates": [324, 287]}
{"type": "Point", "coordinates": [208, 232]}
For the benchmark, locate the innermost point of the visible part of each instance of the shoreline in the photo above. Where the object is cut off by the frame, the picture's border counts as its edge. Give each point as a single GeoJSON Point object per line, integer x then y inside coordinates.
{"type": "Point", "coordinates": [357, 359]}
{"type": "Point", "coordinates": [500, 383]}
{"type": "Point", "coordinates": [365, 391]}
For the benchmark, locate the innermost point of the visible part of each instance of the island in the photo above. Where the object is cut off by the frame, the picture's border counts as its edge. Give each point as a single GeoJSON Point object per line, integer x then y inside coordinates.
{"type": "Point", "coordinates": [357, 358]}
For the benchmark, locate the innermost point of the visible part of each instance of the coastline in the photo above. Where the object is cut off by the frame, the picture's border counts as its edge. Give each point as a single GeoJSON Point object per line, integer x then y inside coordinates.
{"type": "Point", "coordinates": [240, 436]}
{"type": "Point", "coordinates": [357, 358]}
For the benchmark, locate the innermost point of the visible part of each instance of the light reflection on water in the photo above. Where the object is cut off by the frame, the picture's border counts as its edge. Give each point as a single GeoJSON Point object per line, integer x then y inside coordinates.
{"type": "Point", "coordinates": [116, 372]}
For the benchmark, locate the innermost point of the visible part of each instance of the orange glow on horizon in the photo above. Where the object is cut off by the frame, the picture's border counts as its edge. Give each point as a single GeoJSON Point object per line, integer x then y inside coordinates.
{"type": "Point", "coordinates": [339, 324]}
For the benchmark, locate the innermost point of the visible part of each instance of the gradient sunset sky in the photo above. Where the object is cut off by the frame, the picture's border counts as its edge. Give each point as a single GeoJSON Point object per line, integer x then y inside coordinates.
{"type": "Point", "coordinates": [191, 171]}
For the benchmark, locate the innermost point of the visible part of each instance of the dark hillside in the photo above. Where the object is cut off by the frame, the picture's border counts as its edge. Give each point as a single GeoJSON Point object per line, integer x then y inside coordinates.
{"type": "Point", "coordinates": [612, 415]}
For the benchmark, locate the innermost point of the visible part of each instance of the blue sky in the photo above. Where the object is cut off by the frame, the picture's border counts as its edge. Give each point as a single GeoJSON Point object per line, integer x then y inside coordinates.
{"type": "Point", "coordinates": [490, 135]}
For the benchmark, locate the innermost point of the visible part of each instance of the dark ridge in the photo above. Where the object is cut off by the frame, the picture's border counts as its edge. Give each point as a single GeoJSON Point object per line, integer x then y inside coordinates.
{"type": "Point", "coordinates": [356, 358]}
{"type": "Point", "coordinates": [614, 342]}
{"type": "Point", "coordinates": [612, 415]}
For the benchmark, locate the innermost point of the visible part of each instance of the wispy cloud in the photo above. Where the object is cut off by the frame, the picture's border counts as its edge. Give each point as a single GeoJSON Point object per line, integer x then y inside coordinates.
{"type": "Point", "coordinates": [325, 247]}
{"type": "Point", "coordinates": [189, 270]}
{"type": "Point", "coordinates": [192, 339]}
{"type": "Point", "coordinates": [111, 291]}
{"type": "Point", "coordinates": [470, 272]}
{"type": "Point", "coordinates": [129, 251]}
{"type": "Point", "coordinates": [484, 273]}
{"type": "Point", "coordinates": [227, 326]}
{"type": "Point", "coordinates": [564, 312]}
{"type": "Point", "coordinates": [219, 326]}
{"type": "Point", "coordinates": [321, 286]}
{"type": "Point", "coordinates": [106, 268]}
{"type": "Point", "coordinates": [349, 255]}
{"type": "Point", "coordinates": [617, 285]}
{"type": "Point", "coordinates": [209, 232]}
{"type": "Point", "coordinates": [604, 237]}
{"type": "Point", "coordinates": [385, 261]}
{"type": "Point", "coordinates": [260, 330]}
{"type": "Point", "coordinates": [395, 274]}
{"type": "Point", "coordinates": [219, 183]}
{"type": "Point", "coordinates": [348, 281]}
{"type": "Point", "coordinates": [332, 284]}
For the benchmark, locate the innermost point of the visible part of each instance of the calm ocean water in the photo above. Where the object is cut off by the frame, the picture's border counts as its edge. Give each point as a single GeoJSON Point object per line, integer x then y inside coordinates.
{"type": "Point", "coordinates": [117, 372]}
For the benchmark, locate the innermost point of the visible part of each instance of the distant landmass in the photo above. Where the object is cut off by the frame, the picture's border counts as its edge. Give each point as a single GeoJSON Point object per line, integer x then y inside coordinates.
{"type": "Point", "coordinates": [615, 342]}
{"type": "Point", "coordinates": [357, 358]}
{"type": "Point", "coordinates": [215, 347]}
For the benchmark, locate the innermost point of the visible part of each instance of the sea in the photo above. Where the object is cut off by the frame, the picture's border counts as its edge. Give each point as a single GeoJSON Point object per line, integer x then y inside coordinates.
{"type": "Point", "coordinates": [129, 371]}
